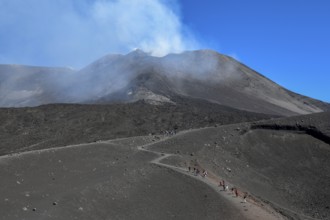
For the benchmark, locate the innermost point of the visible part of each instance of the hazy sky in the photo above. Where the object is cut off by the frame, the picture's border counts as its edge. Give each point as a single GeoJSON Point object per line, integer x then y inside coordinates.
{"type": "Point", "coordinates": [285, 40]}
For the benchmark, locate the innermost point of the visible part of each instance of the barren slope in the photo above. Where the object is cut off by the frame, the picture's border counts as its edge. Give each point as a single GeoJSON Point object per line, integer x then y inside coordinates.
{"type": "Point", "coordinates": [47, 126]}
{"type": "Point", "coordinates": [110, 180]}
{"type": "Point", "coordinates": [284, 161]}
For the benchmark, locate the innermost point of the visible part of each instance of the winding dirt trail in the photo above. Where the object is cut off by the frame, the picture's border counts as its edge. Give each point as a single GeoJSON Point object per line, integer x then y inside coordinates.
{"type": "Point", "coordinates": [250, 209]}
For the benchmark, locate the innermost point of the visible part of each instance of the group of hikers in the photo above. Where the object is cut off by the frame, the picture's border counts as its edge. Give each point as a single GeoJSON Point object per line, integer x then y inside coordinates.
{"type": "Point", "coordinates": [222, 183]}
{"type": "Point", "coordinates": [169, 133]}
{"type": "Point", "coordinates": [196, 172]}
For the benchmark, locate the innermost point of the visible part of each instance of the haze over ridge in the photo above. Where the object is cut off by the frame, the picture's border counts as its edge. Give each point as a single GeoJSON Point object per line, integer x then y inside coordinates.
{"type": "Point", "coordinates": [202, 74]}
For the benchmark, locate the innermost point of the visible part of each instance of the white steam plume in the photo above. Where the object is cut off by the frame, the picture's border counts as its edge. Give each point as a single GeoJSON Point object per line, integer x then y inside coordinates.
{"type": "Point", "coordinates": [71, 32]}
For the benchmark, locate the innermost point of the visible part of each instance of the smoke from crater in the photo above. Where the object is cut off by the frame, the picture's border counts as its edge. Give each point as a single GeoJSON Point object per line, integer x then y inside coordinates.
{"type": "Point", "coordinates": [75, 33]}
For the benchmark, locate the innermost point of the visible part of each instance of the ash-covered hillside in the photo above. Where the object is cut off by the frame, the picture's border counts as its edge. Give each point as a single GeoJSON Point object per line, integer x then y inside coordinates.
{"type": "Point", "coordinates": [201, 74]}
{"type": "Point", "coordinates": [26, 129]}
{"type": "Point", "coordinates": [283, 161]}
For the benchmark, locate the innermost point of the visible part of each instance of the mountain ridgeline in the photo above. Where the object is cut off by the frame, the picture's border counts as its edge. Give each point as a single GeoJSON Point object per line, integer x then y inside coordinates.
{"type": "Point", "coordinates": [202, 74]}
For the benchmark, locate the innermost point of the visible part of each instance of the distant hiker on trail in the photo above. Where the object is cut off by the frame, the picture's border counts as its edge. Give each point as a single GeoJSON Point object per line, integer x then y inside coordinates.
{"type": "Point", "coordinates": [220, 183]}
{"type": "Point", "coordinates": [236, 192]}
{"type": "Point", "coordinates": [189, 169]}
{"type": "Point", "coordinates": [224, 185]}
{"type": "Point", "coordinates": [245, 196]}
{"type": "Point", "coordinates": [204, 173]}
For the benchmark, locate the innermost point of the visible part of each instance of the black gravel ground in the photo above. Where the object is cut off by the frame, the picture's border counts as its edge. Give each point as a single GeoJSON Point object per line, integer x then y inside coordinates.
{"type": "Point", "coordinates": [282, 161]}
{"type": "Point", "coordinates": [103, 181]}
{"type": "Point", "coordinates": [24, 129]}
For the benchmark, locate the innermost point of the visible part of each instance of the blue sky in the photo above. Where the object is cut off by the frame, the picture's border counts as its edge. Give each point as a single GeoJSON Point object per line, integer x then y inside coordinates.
{"type": "Point", "coordinates": [287, 41]}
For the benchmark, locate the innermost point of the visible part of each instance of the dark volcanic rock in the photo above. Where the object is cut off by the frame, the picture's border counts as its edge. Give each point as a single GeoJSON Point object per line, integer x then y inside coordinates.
{"type": "Point", "coordinates": [25, 129]}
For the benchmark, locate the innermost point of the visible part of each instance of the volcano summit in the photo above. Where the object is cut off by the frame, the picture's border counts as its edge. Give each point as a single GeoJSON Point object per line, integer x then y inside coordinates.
{"type": "Point", "coordinates": [202, 74]}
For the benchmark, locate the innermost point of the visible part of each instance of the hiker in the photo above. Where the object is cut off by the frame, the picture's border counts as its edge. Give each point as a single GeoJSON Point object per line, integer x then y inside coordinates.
{"type": "Point", "coordinates": [189, 169]}
{"type": "Point", "coordinates": [245, 196]}
{"type": "Point", "coordinates": [220, 183]}
{"type": "Point", "coordinates": [204, 173]}
{"type": "Point", "coordinates": [236, 192]}
{"type": "Point", "coordinates": [223, 185]}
